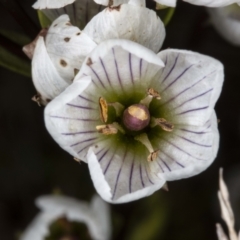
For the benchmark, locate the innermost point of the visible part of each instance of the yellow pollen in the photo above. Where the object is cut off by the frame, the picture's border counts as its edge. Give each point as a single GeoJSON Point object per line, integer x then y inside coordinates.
{"type": "Point", "coordinates": [138, 113]}
{"type": "Point", "coordinates": [103, 109]}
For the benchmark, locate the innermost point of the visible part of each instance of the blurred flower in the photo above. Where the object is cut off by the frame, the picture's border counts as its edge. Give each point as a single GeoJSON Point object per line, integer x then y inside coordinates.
{"type": "Point", "coordinates": [227, 213]}
{"type": "Point", "coordinates": [207, 3]}
{"type": "Point", "coordinates": [58, 57]}
{"type": "Point", "coordinates": [137, 123]}
{"type": "Point", "coordinates": [63, 212]}
{"type": "Point", "coordinates": [79, 11]}
{"type": "Point", "coordinates": [226, 20]}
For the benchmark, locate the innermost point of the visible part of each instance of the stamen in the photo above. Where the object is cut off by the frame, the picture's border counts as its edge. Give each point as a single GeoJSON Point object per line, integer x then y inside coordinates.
{"type": "Point", "coordinates": [108, 129]}
{"type": "Point", "coordinates": [103, 109]}
{"type": "Point", "coordinates": [152, 156]}
{"type": "Point", "coordinates": [143, 138]}
{"type": "Point", "coordinates": [118, 108]}
{"type": "Point", "coordinates": [163, 123]}
{"type": "Point", "coordinates": [151, 93]}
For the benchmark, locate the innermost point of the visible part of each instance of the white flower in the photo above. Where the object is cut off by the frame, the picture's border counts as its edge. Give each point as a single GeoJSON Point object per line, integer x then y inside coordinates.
{"type": "Point", "coordinates": [226, 20]}
{"type": "Point", "coordinates": [127, 162]}
{"type": "Point", "coordinates": [59, 56]}
{"type": "Point", "coordinates": [96, 216]}
{"type": "Point", "coordinates": [207, 3]}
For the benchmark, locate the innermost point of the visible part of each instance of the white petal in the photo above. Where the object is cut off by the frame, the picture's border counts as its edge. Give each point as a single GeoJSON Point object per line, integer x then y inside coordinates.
{"type": "Point", "coordinates": [188, 150]}
{"type": "Point", "coordinates": [212, 3]}
{"type": "Point", "coordinates": [62, 204]}
{"type": "Point", "coordinates": [80, 12]}
{"type": "Point", "coordinates": [46, 79]}
{"type": "Point", "coordinates": [111, 23]}
{"type": "Point", "coordinates": [190, 85]}
{"type": "Point", "coordinates": [71, 119]}
{"type": "Point", "coordinates": [119, 175]}
{"type": "Point", "coordinates": [67, 47]}
{"type": "Point", "coordinates": [41, 4]}
{"type": "Point", "coordinates": [227, 22]}
{"type": "Point", "coordinates": [169, 3]}
{"type": "Point", "coordinates": [100, 212]}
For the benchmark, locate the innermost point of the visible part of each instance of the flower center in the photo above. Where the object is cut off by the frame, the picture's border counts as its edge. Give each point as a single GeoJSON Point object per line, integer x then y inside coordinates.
{"type": "Point", "coordinates": [136, 117]}
{"type": "Point", "coordinates": [135, 122]}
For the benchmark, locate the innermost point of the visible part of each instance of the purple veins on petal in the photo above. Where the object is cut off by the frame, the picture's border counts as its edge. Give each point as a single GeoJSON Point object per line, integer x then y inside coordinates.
{"type": "Point", "coordinates": [173, 160]}
{"type": "Point", "coordinates": [193, 98]}
{"type": "Point", "coordinates": [140, 67]}
{"type": "Point", "coordinates": [186, 89]}
{"type": "Point", "coordinates": [88, 100]}
{"type": "Point", "coordinates": [148, 175]}
{"type": "Point", "coordinates": [177, 78]}
{"type": "Point", "coordinates": [180, 149]}
{"type": "Point", "coordinates": [99, 79]}
{"type": "Point", "coordinates": [104, 154]}
{"type": "Point", "coordinates": [118, 175]}
{"type": "Point", "coordinates": [116, 65]}
{"type": "Point", "coordinates": [130, 178]}
{"type": "Point", "coordinates": [86, 140]}
{"type": "Point", "coordinates": [83, 107]}
{"type": "Point", "coordinates": [186, 130]}
{"type": "Point", "coordinates": [77, 119]}
{"type": "Point", "coordinates": [166, 165]}
{"type": "Point", "coordinates": [104, 68]}
{"type": "Point", "coordinates": [170, 71]}
{"type": "Point", "coordinates": [130, 65]}
{"type": "Point", "coordinates": [109, 162]}
{"type": "Point", "coordinates": [193, 110]}
{"type": "Point", "coordinates": [76, 133]}
{"type": "Point", "coordinates": [140, 172]}
{"type": "Point", "coordinates": [190, 141]}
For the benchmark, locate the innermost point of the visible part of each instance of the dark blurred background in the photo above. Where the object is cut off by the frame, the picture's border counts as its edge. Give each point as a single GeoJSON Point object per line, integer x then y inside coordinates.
{"type": "Point", "coordinates": [32, 164]}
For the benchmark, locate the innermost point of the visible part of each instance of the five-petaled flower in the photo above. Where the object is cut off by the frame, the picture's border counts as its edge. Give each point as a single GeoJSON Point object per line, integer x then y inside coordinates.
{"type": "Point", "coordinates": [138, 118]}
{"type": "Point", "coordinates": [71, 216]}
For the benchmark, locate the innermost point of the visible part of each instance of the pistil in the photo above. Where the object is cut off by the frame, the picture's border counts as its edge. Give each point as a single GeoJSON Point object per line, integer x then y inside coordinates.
{"type": "Point", "coordinates": [136, 117]}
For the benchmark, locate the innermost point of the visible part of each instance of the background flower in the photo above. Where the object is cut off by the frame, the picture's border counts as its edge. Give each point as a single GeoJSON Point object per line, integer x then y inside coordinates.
{"type": "Point", "coordinates": [96, 216]}
{"type": "Point", "coordinates": [226, 21]}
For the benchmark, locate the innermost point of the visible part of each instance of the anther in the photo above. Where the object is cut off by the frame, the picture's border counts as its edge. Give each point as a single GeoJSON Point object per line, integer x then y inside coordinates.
{"type": "Point", "coordinates": [108, 129]}
{"type": "Point", "coordinates": [103, 109]}
{"type": "Point", "coordinates": [151, 93]}
{"type": "Point", "coordinates": [163, 123]}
